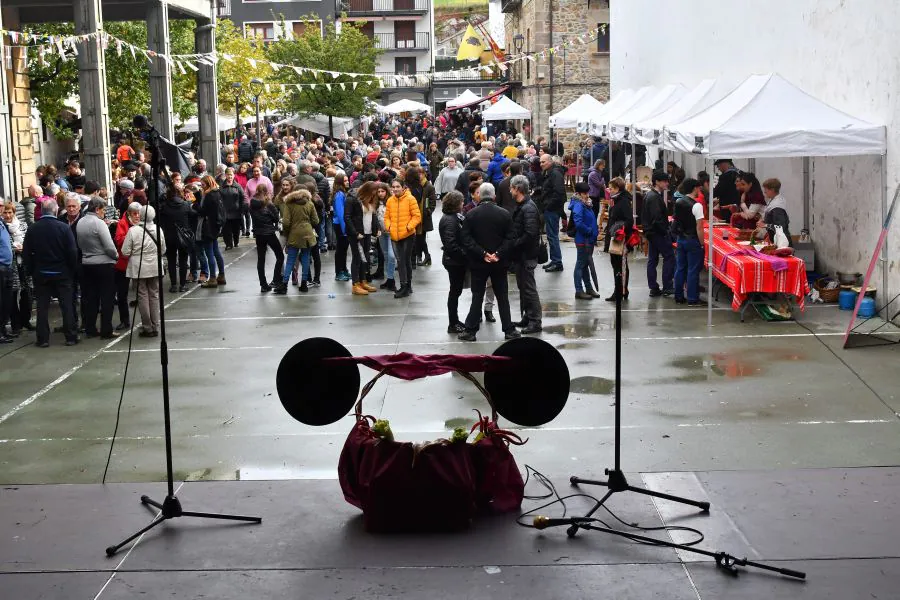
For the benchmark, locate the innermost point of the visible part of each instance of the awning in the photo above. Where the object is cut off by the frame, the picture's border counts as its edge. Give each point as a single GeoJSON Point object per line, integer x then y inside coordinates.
{"type": "Point", "coordinates": [490, 96]}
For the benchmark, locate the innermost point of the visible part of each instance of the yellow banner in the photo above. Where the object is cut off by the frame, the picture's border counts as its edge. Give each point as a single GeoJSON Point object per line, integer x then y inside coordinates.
{"type": "Point", "coordinates": [471, 46]}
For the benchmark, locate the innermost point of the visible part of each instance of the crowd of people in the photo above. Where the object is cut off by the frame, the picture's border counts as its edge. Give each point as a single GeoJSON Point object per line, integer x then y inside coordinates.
{"type": "Point", "coordinates": [369, 199]}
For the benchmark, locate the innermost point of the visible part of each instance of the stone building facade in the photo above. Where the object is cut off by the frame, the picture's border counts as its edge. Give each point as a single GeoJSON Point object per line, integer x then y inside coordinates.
{"type": "Point", "coordinates": [551, 83]}
{"type": "Point", "coordinates": [18, 166]}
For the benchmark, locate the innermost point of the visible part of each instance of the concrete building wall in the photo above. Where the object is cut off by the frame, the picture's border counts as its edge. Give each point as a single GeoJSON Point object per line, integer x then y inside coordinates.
{"type": "Point", "coordinates": [386, 61]}
{"type": "Point", "coordinates": [581, 69]}
{"type": "Point", "coordinates": [843, 52]}
{"type": "Point", "coordinates": [255, 12]}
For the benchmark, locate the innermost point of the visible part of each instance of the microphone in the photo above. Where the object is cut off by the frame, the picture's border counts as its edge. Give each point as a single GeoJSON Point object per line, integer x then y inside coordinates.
{"type": "Point", "coordinates": [545, 522]}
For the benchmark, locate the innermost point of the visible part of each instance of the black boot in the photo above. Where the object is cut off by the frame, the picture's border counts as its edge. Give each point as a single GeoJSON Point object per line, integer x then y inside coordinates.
{"type": "Point", "coordinates": [403, 292]}
{"type": "Point", "coordinates": [379, 274]}
{"type": "Point", "coordinates": [389, 284]}
{"type": "Point", "coordinates": [281, 289]}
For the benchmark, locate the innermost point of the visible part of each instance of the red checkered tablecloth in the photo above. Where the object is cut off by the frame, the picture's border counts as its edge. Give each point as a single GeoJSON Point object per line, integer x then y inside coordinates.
{"type": "Point", "coordinates": [747, 274]}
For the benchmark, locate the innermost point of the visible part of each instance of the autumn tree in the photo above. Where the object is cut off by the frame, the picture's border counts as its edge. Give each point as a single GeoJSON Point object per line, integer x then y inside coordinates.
{"type": "Point", "coordinates": [241, 59]}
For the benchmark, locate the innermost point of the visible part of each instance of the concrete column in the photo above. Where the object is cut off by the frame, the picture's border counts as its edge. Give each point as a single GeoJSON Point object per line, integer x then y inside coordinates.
{"type": "Point", "coordinates": [7, 187]}
{"type": "Point", "coordinates": [207, 94]}
{"type": "Point", "coordinates": [160, 70]}
{"type": "Point", "coordinates": [92, 92]}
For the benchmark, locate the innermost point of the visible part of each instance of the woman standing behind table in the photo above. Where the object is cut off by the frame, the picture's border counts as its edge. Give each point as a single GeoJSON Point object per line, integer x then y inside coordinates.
{"type": "Point", "coordinates": [753, 203]}
{"type": "Point", "coordinates": [401, 217]}
{"type": "Point", "coordinates": [298, 223]}
{"type": "Point", "coordinates": [389, 261]}
{"type": "Point", "coordinates": [355, 226]}
{"type": "Point", "coordinates": [619, 215]}
{"type": "Point", "coordinates": [454, 259]}
{"type": "Point", "coordinates": [265, 217]}
{"type": "Point", "coordinates": [210, 209]}
{"type": "Point", "coordinates": [141, 249]}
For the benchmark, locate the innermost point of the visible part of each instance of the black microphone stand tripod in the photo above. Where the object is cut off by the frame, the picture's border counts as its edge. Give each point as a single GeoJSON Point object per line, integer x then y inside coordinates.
{"type": "Point", "coordinates": [170, 508]}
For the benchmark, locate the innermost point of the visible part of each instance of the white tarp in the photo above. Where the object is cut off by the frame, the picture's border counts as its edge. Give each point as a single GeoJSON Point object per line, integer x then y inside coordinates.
{"type": "Point", "coordinates": [621, 127]}
{"type": "Point", "coordinates": [403, 106]}
{"type": "Point", "coordinates": [568, 117]}
{"type": "Point", "coordinates": [193, 124]}
{"type": "Point", "coordinates": [651, 130]}
{"type": "Point", "coordinates": [584, 122]}
{"type": "Point", "coordinates": [319, 124]}
{"type": "Point", "coordinates": [767, 116]}
{"type": "Point", "coordinates": [467, 97]}
{"type": "Point", "coordinates": [505, 110]}
{"type": "Point", "coordinates": [599, 125]}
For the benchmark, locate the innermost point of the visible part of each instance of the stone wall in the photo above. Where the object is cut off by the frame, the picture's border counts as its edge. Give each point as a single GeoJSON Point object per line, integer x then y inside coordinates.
{"type": "Point", "coordinates": [21, 135]}
{"type": "Point", "coordinates": [579, 70]}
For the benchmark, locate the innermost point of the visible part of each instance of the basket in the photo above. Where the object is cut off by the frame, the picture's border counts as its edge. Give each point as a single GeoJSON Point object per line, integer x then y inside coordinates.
{"type": "Point", "coordinates": [825, 294]}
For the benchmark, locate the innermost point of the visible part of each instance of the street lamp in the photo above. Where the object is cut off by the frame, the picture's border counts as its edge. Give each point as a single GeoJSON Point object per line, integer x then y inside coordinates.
{"type": "Point", "coordinates": [256, 88]}
{"type": "Point", "coordinates": [236, 88]}
{"type": "Point", "coordinates": [518, 44]}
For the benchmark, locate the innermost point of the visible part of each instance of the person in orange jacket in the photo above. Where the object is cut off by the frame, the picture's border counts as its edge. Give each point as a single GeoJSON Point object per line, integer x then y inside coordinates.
{"type": "Point", "coordinates": [401, 217]}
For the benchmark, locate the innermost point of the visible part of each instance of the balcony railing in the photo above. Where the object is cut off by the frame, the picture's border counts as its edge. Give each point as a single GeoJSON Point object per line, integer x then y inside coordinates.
{"type": "Point", "coordinates": [453, 76]}
{"type": "Point", "coordinates": [363, 8]}
{"type": "Point", "coordinates": [406, 79]}
{"type": "Point", "coordinates": [392, 42]}
{"type": "Point", "coordinates": [223, 8]}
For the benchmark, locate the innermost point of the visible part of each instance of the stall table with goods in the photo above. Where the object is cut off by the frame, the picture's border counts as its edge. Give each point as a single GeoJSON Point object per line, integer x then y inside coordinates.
{"type": "Point", "coordinates": [747, 271]}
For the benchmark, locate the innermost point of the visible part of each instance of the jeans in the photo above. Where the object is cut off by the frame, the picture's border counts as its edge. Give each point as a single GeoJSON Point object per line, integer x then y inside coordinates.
{"type": "Point", "coordinates": [387, 249]}
{"type": "Point", "coordinates": [551, 224]}
{"type": "Point", "coordinates": [660, 245]}
{"type": "Point", "coordinates": [496, 272]}
{"type": "Point", "coordinates": [292, 259]}
{"type": "Point", "coordinates": [214, 257]}
{"type": "Point", "coordinates": [617, 263]}
{"type": "Point", "coordinates": [122, 284]}
{"type": "Point", "coordinates": [340, 254]}
{"type": "Point", "coordinates": [231, 233]}
{"type": "Point", "coordinates": [98, 296]}
{"type": "Point", "coordinates": [403, 250]}
{"type": "Point", "coordinates": [200, 261]}
{"type": "Point", "coordinates": [457, 277]}
{"type": "Point", "coordinates": [529, 300]}
{"type": "Point", "coordinates": [359, 262]}
{"type": "Point", "coordinates": [582, 272]}
{"type": "Point", "coordinates": [688, 260]}
{"type": "Point", "coordinates": [178, 265]}
{"type": "Point", "coordinates": [263, 243]}
{"type": "Point", "coordinates": [60, 286]}
{"type": "Point", "coordinates": [148, 303]}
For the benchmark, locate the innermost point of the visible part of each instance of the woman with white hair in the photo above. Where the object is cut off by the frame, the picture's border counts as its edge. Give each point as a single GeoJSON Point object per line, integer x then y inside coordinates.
{"type": "Point", "coordinates": [140, 246]}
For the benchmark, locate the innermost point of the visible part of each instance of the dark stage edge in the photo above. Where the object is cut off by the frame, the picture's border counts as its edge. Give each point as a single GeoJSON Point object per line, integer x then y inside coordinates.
{"type": "Point", "coordinates": [833, 523]}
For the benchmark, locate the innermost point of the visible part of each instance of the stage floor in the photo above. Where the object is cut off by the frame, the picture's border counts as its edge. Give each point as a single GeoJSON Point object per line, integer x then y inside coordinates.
{"type": "Point", "coordinates": [790, 437]}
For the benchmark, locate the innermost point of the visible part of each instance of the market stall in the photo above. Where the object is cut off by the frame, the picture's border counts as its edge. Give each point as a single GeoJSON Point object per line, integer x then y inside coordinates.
{"type": "Point", "coordinates": [319, 124]}
{"type": "Point", "coordinates": [768, 117]}
{"type": "Point", "coordinates": [467, 97]}
{"type": "Point", "coordinates": [584, 121]}
{"type": "Point", "coordinates": [583, 106]}
{"type": "Point", "coordinates": [505, 110]}
{"type": "Point", "coordinates": [405, 106]}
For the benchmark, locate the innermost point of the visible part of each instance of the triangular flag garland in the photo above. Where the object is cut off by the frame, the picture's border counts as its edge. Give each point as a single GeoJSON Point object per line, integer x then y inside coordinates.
{"type": "Point", "coordinates": [63, 45]}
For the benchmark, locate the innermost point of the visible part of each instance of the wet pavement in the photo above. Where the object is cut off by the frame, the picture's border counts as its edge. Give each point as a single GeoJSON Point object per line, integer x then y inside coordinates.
{"type": "Point", "coordinates": [769, 400]}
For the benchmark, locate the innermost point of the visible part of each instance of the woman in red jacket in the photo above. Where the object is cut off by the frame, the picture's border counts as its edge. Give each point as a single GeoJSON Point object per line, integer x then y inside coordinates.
{"type": "Point", "coordinates": [121, 265]}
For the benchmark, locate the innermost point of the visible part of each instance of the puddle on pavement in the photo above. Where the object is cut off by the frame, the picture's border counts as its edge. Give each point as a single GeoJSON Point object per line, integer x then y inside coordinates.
{"type": "Point", "coordinates": [571, 345]}
{"type": "Point", "coordinates": [592, 385]}
{"type": "Point", "coordinates": [577, 330]}
{"type": "Point", "coordinates": [467, 422]}
{"type": "Point", "coordinates": [551, 306]}
{"type": "Point", "coordinates": [729, 365]}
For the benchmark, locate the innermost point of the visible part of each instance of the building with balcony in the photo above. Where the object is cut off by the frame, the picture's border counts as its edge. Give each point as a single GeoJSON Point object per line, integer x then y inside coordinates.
{"type": "Point", "coordinates": [262, 18]}
{"type": "Point", "coordinates": [549, 84]}
{"type": "Point", "coordinates": [404, 30]}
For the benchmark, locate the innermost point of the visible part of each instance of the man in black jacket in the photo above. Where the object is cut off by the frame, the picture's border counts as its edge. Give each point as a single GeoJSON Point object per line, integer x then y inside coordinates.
{"type": "Point", "coordinates": [526, 238]}
{"type": "Point", "coordinates": [462, 182]}
{"type": "Point", "coordinates": [655, 220]}
{"type": "Point", "coordinates": [554, 197]}
{"type": "Point", "coordinates": [487, 237]}
{"type": "Point", "coordinates": [504, 195]}
{"type": "Point", "coordinates": [51, 258]}
{"type": "Point", "coordinates": [726, 190]}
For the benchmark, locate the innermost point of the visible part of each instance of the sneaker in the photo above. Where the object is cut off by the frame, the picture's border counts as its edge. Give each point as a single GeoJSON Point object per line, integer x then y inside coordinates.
{"type": "Point", "coordinates": [265, 288]}
{"type": "Point", "coordinates": [656, 293]}
{"type": "Point", "coordinates": [535, 328]}
{"type": "Point", "coordinates": [553, 268]}
{"type": "Point", "coordinates": [280, 289]}
{"type": "Point", "coordinates": [668, 292]}
{"type": "Point", "coordinates": [389, 284]}
{"type": "Point", "coordinates": [520, 324]}
{"type": "Point", "coordinates": [315, 283]}
{"type": "Point", "coordinates": [304, 287]}
{"type": "Point", "coordinates": [123, 326]}
{"type": "Point", "coordinates": [110, 336]}
{"type": "Point", "coordinates": [182, 288]}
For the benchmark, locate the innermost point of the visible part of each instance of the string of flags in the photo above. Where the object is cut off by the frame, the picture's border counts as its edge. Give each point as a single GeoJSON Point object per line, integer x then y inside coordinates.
{"type": "Point", "coordinates": [67, 47]}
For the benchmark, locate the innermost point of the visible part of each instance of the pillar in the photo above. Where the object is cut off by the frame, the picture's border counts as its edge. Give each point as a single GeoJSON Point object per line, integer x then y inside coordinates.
{"type": "Point", "coordinates": [160, 70]}
{"type": "Point", "coordinates": [7, 189]}
{"type": "Point", "coordinates": [92, 93]}
{"type": "Point", "coordinates": [207, 94]}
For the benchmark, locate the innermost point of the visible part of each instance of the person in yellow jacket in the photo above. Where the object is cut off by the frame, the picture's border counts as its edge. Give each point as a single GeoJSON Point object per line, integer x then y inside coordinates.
{"type": "Point", "coordinates": [401, 217]}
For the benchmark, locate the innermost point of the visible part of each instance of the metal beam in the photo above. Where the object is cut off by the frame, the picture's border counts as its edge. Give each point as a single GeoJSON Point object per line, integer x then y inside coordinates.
{"type": "Point", "coordinates": [160, 71]}
{"type": "Point", "coordinates": [92, 92]}
{"type": "Point", "coordinates": [207, 94]}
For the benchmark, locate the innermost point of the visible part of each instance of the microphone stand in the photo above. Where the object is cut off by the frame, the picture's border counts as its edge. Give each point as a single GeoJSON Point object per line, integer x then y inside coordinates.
{"type": "Point", "coordinates": [616, 481]}
{"type": "Point", "coordinates": [170, 508]}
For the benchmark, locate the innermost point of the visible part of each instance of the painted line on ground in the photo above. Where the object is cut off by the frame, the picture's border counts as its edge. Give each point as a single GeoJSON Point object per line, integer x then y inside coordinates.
{"type": "Point", "coordinates": [103, 350]}
{"type": "Point", "coordinates": [312, 433]}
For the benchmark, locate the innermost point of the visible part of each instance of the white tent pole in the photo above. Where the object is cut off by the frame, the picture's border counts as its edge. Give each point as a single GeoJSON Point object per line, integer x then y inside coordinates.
{"type": "Point", "coordinates": [709, 251]}
{"type": "Point", "coordinates": [633, 180]}
{"type": "Point", "coordinates": [884, 247]}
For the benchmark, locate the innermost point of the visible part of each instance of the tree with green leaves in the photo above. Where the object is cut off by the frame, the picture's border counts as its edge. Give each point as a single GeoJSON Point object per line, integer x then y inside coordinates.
{"type": "Point", "coordinates": [348, 51]}
{"type": "Point", "coordinates": [235, 55]}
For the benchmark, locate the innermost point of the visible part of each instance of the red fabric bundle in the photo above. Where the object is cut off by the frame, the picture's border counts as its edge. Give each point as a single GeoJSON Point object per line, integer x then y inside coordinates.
{"type": "Point", "coordinates": [498, 485]}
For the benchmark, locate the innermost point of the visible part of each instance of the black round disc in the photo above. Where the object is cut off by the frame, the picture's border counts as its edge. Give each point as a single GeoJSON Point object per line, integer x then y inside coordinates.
{"type": "Point", "coordinates": [533, 390]}
{"type": "Point", "coordinates": [313, 391]}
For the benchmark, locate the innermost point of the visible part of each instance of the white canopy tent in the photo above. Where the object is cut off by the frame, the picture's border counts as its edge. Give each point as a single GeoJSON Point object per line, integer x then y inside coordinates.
{"type": "Point", "coordinates": [599, 125]}
{"type": "Point", "coordinates": [769, 117]}
{"type": "Point", "coordinates": [567, 118]}
{"type": "Point", "coordinates": [319, 124]}
{"type": "Point", "coordinates": [651, 129]}
{"type": "Point", "coordinates": [505, 110]}
{"type": "Point", "coordinates": [584, 122]}
{"type": "Point", "coordinates": [621, 127]}
{"type": "Point", "coordinates": [225, 123]}
{"type": "Point", "coordinates": [403, 106]}
{"type": "Point", "coordinates": [467, 97]}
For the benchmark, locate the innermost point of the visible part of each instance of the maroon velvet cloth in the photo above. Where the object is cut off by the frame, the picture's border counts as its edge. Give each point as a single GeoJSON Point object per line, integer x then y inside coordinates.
{"type": "Point", "coordinates": [415, 366]}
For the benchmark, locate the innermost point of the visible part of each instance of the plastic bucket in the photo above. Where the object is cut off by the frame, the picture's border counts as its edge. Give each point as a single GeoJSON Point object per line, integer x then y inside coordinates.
{"type": "Point", "coordinates": [847, 299]}
{"type": "Point", "coordinates": [867, 308]}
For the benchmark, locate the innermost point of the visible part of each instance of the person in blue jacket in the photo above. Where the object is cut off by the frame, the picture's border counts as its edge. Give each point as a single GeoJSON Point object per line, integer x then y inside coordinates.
{"type": "Point", "coordinates": [586, 232]}
{"type": "Point", "coordinates": [338, 196]}
{"type": "Point", "coordinates": [494, 171]}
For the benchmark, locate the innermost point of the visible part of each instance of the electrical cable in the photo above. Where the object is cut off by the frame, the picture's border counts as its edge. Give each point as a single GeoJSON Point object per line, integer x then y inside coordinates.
{"type": "Point", "coordinates": [561, 500]}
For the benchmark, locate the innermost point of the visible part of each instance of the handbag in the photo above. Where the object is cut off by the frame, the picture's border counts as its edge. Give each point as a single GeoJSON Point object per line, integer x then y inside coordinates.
{"type": "Point", "coordinates": [185, 237]}
{"type": "Point", "coordinates": [617, 247]}
{"type": "Point", "coordinates": [543, 254]}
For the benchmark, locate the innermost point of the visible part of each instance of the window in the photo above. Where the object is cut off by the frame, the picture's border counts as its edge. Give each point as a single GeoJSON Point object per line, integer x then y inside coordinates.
{"type": "Point", "coordinates": [263, 31]}
{"type": "Point", "coordinates": [298, 28]}
{"type": "Point", "coordinates": [405, 66]}
{"type": "Point", "coordinates": [603, 37]}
